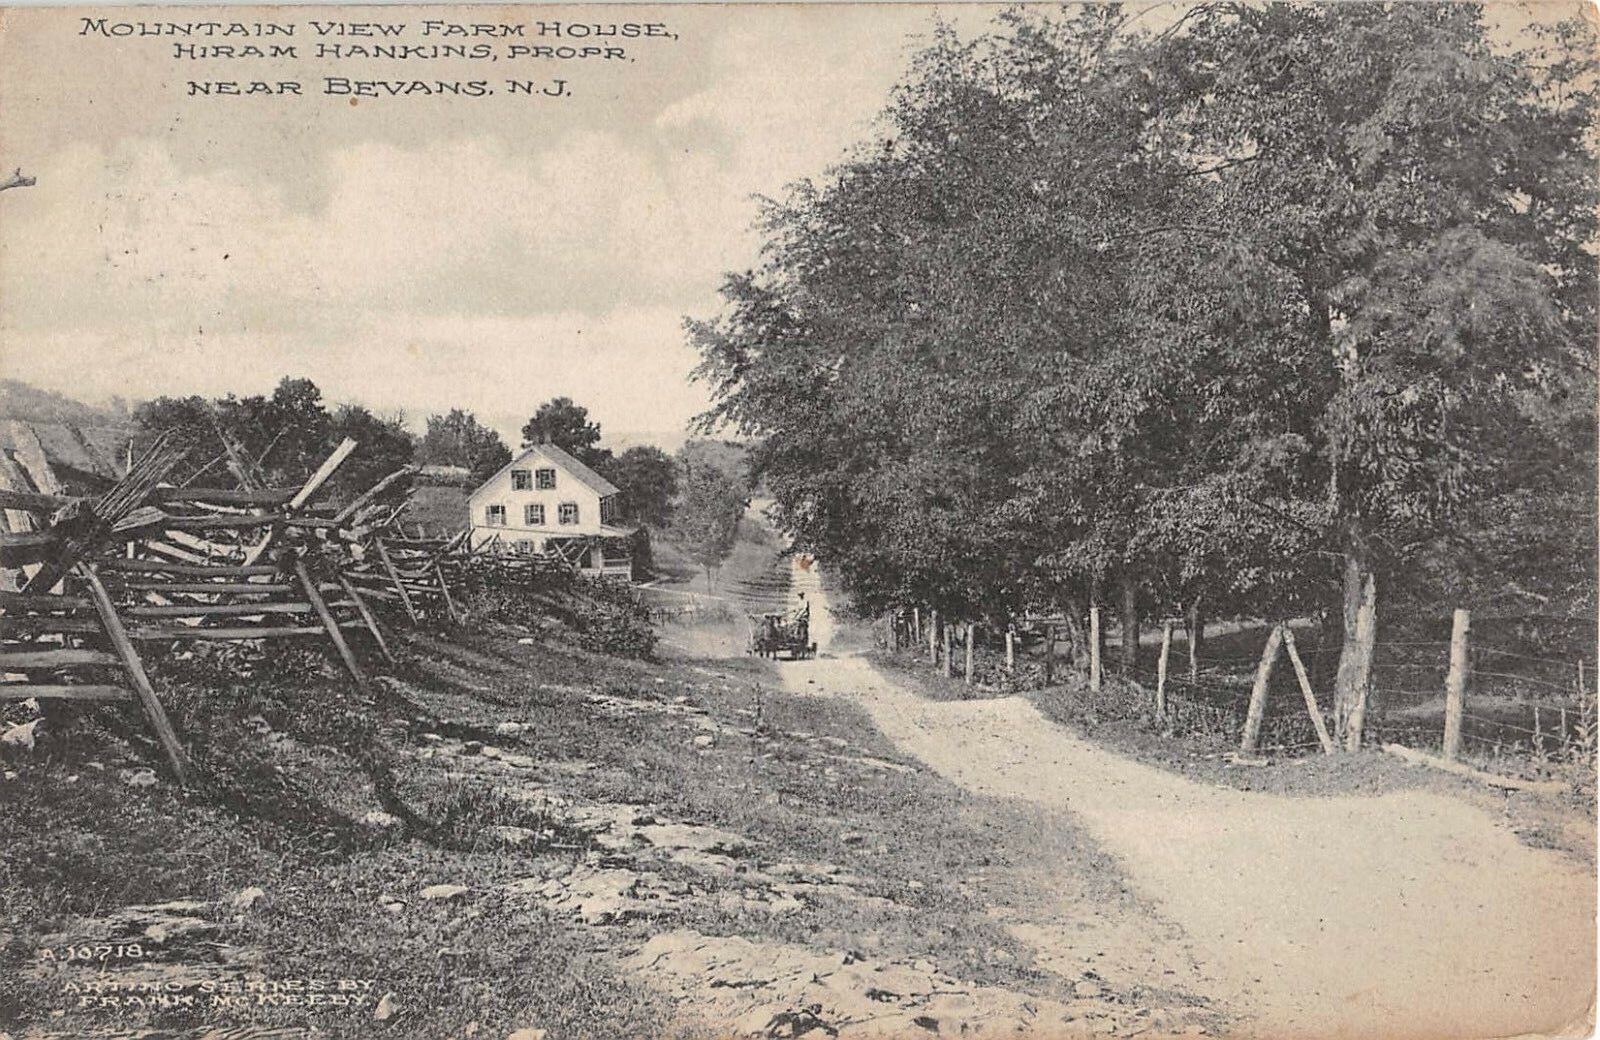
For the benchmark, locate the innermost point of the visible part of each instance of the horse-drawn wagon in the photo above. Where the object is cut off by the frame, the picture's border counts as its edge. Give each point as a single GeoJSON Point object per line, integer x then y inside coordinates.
{"type": "Point", "coordinates": [775, 634]}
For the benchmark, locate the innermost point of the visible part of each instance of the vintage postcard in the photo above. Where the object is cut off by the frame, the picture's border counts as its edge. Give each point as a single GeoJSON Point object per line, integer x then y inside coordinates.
{"type": "Point", "coordinates": [904, 521]}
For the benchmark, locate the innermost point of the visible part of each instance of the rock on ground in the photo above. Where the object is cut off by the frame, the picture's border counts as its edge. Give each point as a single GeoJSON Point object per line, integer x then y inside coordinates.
{"type": "Point", "coordinates": [765, 989]}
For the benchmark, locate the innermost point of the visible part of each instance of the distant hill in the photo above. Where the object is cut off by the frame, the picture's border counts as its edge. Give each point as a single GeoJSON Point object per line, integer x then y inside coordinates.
{"type": "Point", "coordinates": [668, 441]}
{"type": "Point", "coordinates": [19, 400]}
{"type": "Point", "coordinates": [86, 446]}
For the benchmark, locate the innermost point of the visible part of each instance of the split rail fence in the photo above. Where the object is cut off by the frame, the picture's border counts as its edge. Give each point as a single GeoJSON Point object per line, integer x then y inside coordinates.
{"type": "Point", "coordinates": [91, 585]}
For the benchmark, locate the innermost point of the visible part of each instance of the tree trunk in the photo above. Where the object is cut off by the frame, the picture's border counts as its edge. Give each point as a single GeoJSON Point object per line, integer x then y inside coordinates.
{"type": "Point", "coordinates": [1130, 622]}
{"type": "Point", "coordinates": [1077, 642]}
{"type": "Point", "coordinates": [1194, 624]}
{"type": "Point", "coordinates": [1360, 617]}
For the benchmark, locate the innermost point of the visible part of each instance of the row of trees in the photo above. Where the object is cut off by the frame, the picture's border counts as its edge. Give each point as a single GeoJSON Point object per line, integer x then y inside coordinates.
{"type": "Point", "coordinates": [285, 434]}
{"type": "Point", "coordinates": [288, 433]}
{"type": "Point", "coordinates": [1264, 312]}
{"type": "Point", "coordinates": [697, 496]}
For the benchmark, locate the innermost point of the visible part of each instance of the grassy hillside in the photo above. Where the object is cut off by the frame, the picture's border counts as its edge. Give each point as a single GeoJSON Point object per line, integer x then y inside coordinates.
{"type": "Point", "coordinates": [488, 843]}
{"type": "Point", "coordinates": [440, 509]}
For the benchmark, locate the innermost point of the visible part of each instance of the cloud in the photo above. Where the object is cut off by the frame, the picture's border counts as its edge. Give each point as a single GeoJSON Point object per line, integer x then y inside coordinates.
{"type": "Point", "coordinates": [488, 267]}
{"type": "Point", "coordinates": [628, 366]}
{"type": "Point", "coordinates": [451, 274]}
{"type": "Point", "coordinates": [443, 226]}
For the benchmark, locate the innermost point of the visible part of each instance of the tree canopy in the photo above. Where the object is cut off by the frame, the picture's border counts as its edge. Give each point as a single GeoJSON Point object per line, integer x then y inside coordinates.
{"type": "Point", "coordinates": [457, 438]}
{"type": "Point", "coordinates": [705, 520]}
{"type": "Point", "coordinates": [648, 480]}
{"type": "Point", "coordinates": [1257, 309]}
{"type": "Point", "coordinates": [566, 424]}
{"type": "Point", "coordinates": [285, 436]}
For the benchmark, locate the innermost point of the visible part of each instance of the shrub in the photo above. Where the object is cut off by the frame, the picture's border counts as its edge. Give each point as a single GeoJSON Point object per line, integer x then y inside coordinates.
{"type": "Point", "coordinates": [608, 621]}
{"type": "Point", "coordinates": [505, 604]}
{"type": "Point", "coordinates": [600, 612]}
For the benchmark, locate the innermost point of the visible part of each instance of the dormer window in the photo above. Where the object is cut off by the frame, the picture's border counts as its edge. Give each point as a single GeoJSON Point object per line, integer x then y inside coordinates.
{"type": "Point", "coordinates": [546, 478]}
{"type": "Point", "coordinates": [521, 480]}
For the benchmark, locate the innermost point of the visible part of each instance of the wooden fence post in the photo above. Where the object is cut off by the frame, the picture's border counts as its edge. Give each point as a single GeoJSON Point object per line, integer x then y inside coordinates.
{"type": "Point", "coordinates": [1094, 649]}
{"type": "Point", "coordinates": [444, 590]}
{"type": "Point", "coordinates": [1455, 683]}
{"type": "Point", "coordinates": [916, 624]}
{"type": "Point", "coordinates": [1049, 654]}
{"type": "Point", "coordinates": [949, 640]}
{"type": "Point", "coordinates": [1193, 625]}
{"type": "Point", "coordinates": [399, 586]}
{"type": "Point", "coordinates": [367, 617]}
{"type": "Point", "coordinates": [1161, 669]}
{"type": "Point", "coordinates": [933, 637]}
{"type": "Point", "coordinates": [1305, 690]}
{"type": "Point", "coordinates": [1258, 692]}
{"type": "Point", "coordinates": [329, 623]}
{"type": "Point", "coordinates": [972, 634]}
{"type": "Point", "coordinates": [1011, 648]}
{"type": "Point", "coordinates": [122, 646]}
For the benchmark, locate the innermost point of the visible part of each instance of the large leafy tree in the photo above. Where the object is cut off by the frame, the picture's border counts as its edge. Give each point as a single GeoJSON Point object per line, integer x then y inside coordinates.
{"type": "Point", "coordinates": [1191, 313]}
{"type": "Point", "coordinates": [566, 424]}
{"type": "Point", "coordinates": [1428, 201]}
{"type": "Point", "coordinates": [457, 438]}
{"type": "Point", "coordinates": [648, 479]}
{"type": "Point", "coordinates": [932, 350]}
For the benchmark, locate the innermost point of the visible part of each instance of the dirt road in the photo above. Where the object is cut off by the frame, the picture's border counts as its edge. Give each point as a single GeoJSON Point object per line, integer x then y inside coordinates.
{"type": "Point", "coordinates": [1405, 915]}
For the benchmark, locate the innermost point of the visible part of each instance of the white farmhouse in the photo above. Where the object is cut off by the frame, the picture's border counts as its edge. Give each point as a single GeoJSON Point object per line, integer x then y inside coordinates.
{"type": "Point", "coordinates": [545, 500]}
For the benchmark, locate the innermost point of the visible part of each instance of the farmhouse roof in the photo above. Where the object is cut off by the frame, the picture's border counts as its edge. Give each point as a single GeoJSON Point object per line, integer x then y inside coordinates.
{"type": "Point", "coordinates": [575, 469]}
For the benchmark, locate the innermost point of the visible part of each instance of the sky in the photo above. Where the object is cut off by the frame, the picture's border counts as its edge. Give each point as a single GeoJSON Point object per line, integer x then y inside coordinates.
{"type": "Point", "coordinates": [414, 253]}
